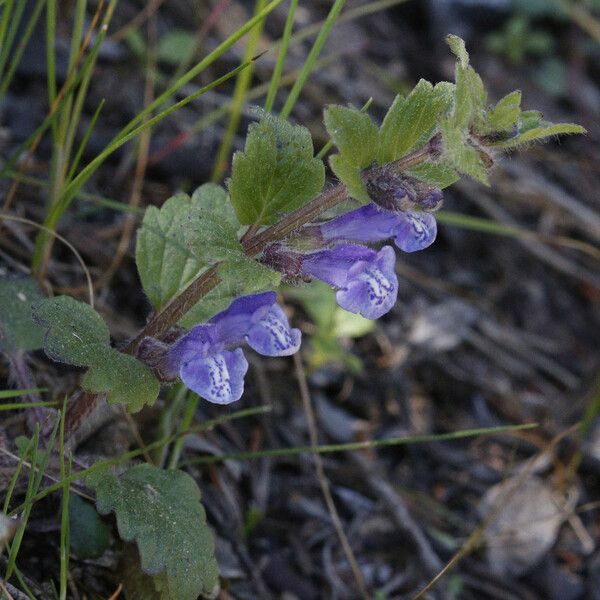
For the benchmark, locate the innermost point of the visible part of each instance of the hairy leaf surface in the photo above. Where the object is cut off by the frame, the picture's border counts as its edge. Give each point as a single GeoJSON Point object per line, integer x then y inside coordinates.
{"type": "Point", "coordinates": [276, 173]}
{"type": "Point", "coordinates": [164, 263]}
{"type": "Point", "coordinates": [460, 155]}
{"type": "Point", "coordinates": [350, 175]}
{"type": "Point", "coordinates": [544, 130]}
{"type": "Point", "coordinates": [410, 121]}
{"type": "Point", "coordinates": [354, 134]}
{"type": "Point", "coordinates": [76, 334]}
{"type": "Point", "coordinates": [18, 330]}
{"type": "Point", "coordinates": [470, 95]}
{"type": "Point", "coordinates": [179, 240]}
{"type": "Point", "coordinates": [505, 115]}
{"type": "Point", "coordinates": [161, 511]}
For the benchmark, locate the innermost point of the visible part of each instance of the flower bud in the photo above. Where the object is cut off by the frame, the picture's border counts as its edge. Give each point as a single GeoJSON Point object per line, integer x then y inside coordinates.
{"type": "Point", "coordinates": [399, 192]}
{"type": "Point", "coordinates": [389, 190]}
{"type": "Point", "coordinates": [287, 262]}
{"type": "Point", "coordinates": [153, 353]}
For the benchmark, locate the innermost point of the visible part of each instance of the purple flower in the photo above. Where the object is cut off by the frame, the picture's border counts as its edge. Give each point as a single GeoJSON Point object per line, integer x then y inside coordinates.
{"type": "Point", "coordinates": [208, 357]}
{"type": "Point", "coordinates": [365, 280]}
{"type": "Point", "coordinates": [415, 231]}
{"type": "Point", "coordinates": [411, 231]}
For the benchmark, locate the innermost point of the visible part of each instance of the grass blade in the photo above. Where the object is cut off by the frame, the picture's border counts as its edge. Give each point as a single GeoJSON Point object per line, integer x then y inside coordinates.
{"type": "Point", "coordinates": [237, 102]}
{"type": "Point", "coordinates": [36, 474]}
{"type": "Point", "coordinates": [26, 589]}
{"type": "Point", "coordinates": [84, 141]}
{"type": "Point", "coordinates": [312, 57]}
{"type": "Point", "coordinates": [4, 21]}
{"type": "Point", "coordinates": [102, 464]}
{"type": "Point", "coordinates": [50, 50]}
{"type": "Point", "coordinates": [60, 101]}
{"type": "Point", "coordinates": [6, 79]}
{"type": "Point", "coordinates": [203, 64]}
{"type": "Point", "coordinates": [6, 48]}
{"type": "Point", "coordinates": [367, 445]}
{"type": "Point", "coordinates": [283, 48]}
{"type": "Point", "coordinates": [65, 471]}
{"type": "Point", "coordinates": [25, 405]}
{"type": "Point", "coordinates": [4, 394]}
{"type": "Point", "coordinates": [87, 197]}
{"type": "Point", "coordinates": [186, 422]}
{"type": "Point", "coordinates": [16, 542]}
{"type": "Point", "coordinates": [495, 228]}
{"type": "Point", "coordinates": [15, 476]}
{"type": "Point", "coordinates": [218, 113]}
{"type": "Point", "coordinates": [72, 189]}
{"type": "Point", "coordinates": [349, 15]}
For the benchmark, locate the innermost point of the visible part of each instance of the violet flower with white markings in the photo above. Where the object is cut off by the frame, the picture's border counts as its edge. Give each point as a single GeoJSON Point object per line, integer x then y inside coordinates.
{"type": "Point", "coordinates": [411, 231]}
{"type": "Point", "coordinates": [364, 280]}
{"type": "Point", "coordinates": [208, 358]}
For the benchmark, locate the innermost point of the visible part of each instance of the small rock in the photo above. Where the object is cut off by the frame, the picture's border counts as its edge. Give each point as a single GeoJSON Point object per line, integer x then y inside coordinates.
{"type": "Point", "coordinates": [525, 526]}
{"type": "Point", "coordinates": [442, 327]}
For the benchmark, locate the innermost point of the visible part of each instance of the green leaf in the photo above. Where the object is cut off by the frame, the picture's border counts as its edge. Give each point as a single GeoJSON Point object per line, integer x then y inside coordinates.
{"type": "Point", "coordinates": [210, 232]}
{"type": "Point", "coordinates": [457, 45]}
{"type": "Point", "coordinates": [88, 535]}
{"type": "Point", "coordinates": [347, 324]}
{"type": "Point", "coordinates": [538, 133]}
{"type": "Point", "coordinates": [331, 324]}
{"type": "Point", "coordinates": [244, 275]}
{"type": "Point", "coordinates": [276, 173]}
{"type": "Point", "coordinates": [439, 174]}
{"type": "Point", "coordinates": [470, 95]}
{"type": "Point", "coordinates": [76, 334]}
{"type": "Point", "coordinates": [505, 115]}
{"type": "Point", "coordinates": [443, 94]}
{"type": "Point", "coordinates": [214, 198]}
{"type": "Point", "coordinates": [318, 300]}
{"type": "Point", "coordinates": [160, 510]}
{"type": "Point", "coordinates": [461, 156]}
{"type": "Point", "coordinates": [209, 228]}
{"type": "Point", "coordinates": [410, 121]}
{"type": "Point", "coordinates": [470, 98]}
{"type": "Point", "coordinates": [124, 379]}
{"type": "Point", "coordinates": [164, 263]}
{"type": "Point", "coordinates": [530, 119]}
{"type": "Point", "coordinates": [354, 134]}
{"type": "Point", "coordinates": [350, 176]}
{"type": "Point", "coordinates": [186, 235]}
{"type": "Point", "coordinates": [18, 331]}
{"type": "Point", "coordinates": [215, 301]}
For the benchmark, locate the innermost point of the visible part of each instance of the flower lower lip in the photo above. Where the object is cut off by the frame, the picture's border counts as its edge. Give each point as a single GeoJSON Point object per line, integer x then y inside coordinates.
{"type": "Point", "coordinates": [209, 358]}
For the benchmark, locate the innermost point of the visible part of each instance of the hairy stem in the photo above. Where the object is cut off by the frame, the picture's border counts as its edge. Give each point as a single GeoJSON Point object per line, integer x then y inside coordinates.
{"type": "Point", "coordinates": [172, 312]}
